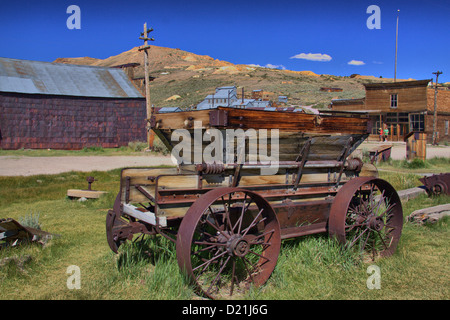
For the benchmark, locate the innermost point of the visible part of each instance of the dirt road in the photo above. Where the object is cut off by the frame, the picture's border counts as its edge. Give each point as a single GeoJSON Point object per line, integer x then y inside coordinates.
{"type": "Point", "coordinates": [26, 166]}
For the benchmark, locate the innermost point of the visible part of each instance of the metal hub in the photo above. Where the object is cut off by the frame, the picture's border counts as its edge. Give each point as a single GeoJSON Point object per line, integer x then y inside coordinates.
{"type": "Point", "coordinates": [376, 223]}
{"type": "Point", "coordinates": [237, 246]}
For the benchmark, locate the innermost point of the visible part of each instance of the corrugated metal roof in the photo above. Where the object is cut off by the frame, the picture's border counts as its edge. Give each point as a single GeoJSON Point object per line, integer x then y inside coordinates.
{"type": "Point", "coordinates": [168, 109]}
{"type": "Point", "coordinates": [37, 77]}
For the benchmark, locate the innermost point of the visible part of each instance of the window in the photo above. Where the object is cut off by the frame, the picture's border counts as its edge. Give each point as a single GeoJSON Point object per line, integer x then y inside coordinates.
{"type": "Point", "coordinates": [394, 100]}
{"type": "Point", "coordinates": [446, 127]}
{"type": "Point", "coordinates": [403, 117]}
{"type": "Point", "coordinates": [416, 122]}
{"type": "Point", "coordinates": [391, 117]}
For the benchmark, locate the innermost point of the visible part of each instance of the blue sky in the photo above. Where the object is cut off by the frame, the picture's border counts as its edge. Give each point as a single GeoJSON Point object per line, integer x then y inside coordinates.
{"type": "Point", "coordinates": [266, 33]}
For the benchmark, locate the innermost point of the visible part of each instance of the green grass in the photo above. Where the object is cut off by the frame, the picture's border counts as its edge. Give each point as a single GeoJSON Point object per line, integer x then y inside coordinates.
{"type": "Point", "coordinates": [134, 148]}
{"type": "Point", "coordinates": [433, 165]}
{"type": "Point", "coordinates": [313, 267]}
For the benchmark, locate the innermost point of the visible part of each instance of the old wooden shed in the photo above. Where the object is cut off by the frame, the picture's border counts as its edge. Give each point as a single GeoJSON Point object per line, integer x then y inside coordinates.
{"type": "Point", "coordinates": [61, 106]}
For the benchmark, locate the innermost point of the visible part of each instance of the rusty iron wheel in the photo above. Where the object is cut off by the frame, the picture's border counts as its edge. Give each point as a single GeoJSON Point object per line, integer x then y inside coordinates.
{"type": "Point", "coordinates": [228, 240]}
{"type": "Point", "coordinates": [367, 214]}
{"type": "Point", "coordinates": [113, 223]}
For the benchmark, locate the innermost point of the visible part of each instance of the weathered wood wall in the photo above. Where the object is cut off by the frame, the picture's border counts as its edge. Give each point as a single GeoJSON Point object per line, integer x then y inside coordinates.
{"type": "Point", "coordinates": [61, 122]}
{"type": "Point", "coordinates": [412, 96]}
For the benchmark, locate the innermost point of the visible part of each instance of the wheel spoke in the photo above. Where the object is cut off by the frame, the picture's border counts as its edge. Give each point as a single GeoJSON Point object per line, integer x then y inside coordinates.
{"type": "Point", "coordinates": [355, 239]}
{"type": "Point", "coordinates": [253, 223]}
{"type": "Point", "coordinates": [218, 275]}
{"type": "Point", "coordinates": [219, 230]}
{"type": "Point", "coordinates": [210, 260]}
{"type": "Point", "coordinates": [244, 209]}
{"type": "Point", "coordinates": [259, 255]}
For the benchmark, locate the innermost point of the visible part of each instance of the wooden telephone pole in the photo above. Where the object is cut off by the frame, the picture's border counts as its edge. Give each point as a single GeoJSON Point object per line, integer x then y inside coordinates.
{"type": "Point", "coordinates": [145, 48]}
{"type": "Point", "coordinates": [437, 73]}
{"type": "Point", "coordinates": [396, 48]}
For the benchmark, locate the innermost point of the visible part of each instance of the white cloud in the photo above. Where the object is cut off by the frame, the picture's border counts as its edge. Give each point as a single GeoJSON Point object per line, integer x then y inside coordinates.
{"type": "Point", "coordinates": [275, 66]}
{"type": "Point", "coordinates": [312, 56]}
{"type": "Point", "coordinates": [356, 63]}
{"type": "Point", "coordinates": [269, 65]}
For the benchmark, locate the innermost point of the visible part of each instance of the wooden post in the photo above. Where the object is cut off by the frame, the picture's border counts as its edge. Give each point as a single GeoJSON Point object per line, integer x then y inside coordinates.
{"type": "Point", "coordinates": [434, 138]}
{"type": "Point", "coordinates": [145, 48]}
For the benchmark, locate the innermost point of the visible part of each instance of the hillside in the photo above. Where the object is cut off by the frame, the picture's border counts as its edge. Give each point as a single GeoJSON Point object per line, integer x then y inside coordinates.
{"type": "Point", "coordinates": [192, 77]}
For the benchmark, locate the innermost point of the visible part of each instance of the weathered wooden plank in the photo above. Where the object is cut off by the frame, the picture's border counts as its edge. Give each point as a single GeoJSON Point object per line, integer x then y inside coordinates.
{"type": "Point", "coordinates": [255, 119]}
{"type": "Point", "coordinates": [89, 194]}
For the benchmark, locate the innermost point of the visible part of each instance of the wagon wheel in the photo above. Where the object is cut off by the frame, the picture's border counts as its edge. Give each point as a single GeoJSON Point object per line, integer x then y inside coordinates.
{"type": "Point", "coordinates": [228, 239]}
{"type": "Point", "coordinates": [438, 188]}
{"type": "Point", "coordinates": [367, 214]}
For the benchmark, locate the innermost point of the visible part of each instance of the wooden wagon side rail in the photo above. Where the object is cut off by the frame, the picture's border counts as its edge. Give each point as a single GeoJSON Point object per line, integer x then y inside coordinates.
{"type": "Point", "coordinates": [234, 118]}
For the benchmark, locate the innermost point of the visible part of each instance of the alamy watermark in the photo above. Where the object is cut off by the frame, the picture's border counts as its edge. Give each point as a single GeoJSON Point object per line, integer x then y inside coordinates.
{"type": "Point", "coordinates": [374, 21]}
{"type": "Point", "coordinates": [74, 279]}
{"type": "Point", "coordinates": [74, 20]}
{"type": "Point", "coordinates": [374, 279]}
{"type": "Point", "coordinates": [230, 146]}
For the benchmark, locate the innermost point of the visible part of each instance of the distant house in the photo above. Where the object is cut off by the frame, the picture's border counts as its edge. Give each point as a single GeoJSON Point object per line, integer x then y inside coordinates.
{"type": "Point", "coordinates": [282, 99]}
{"type": "Point", "coordinates": [227, 97]}
{"type": "Point", "coordinates": [223, 97]}
{"type": "Point", "coordinates": [404, 106]}
{"type": "Point", "coordinates": [260, 104]}
{"type": "Point", "coordinates": [61, 106]}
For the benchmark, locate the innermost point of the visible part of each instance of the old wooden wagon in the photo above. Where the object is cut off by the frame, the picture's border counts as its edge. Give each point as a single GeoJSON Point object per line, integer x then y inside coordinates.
{"type": "Point", "coordinates": [228, 217]}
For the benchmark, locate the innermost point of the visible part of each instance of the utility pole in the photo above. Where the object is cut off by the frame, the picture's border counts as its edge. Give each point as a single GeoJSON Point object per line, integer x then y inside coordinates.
{"type": "Point", "coordinates": [396, 48]}
{"type": "Point", "coordinates": [145, 48]}
{"type": "Point", "coordinates": [437, 73]}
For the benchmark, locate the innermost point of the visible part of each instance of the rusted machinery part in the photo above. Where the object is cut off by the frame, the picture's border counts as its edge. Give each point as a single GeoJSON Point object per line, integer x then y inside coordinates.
{"type": "Point", "coordinates": [113, 220]}
{"type": "Point", "coordinates": [122, 227]}
{"type": "Point", "coordinates": [225, 245]}
{"type": "Point", "coordinates": [437, 184]}
{"type": "Point", "coordinates": [211, 168]}
{"type": "Point", "coordinates": [367, 213]}
{"type": "Point", "coordinates": [12, 231]}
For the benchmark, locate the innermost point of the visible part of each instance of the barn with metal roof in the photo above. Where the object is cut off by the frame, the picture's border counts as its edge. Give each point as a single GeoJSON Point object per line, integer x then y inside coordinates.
{"type": "Point", "coordinates": [62, 106]}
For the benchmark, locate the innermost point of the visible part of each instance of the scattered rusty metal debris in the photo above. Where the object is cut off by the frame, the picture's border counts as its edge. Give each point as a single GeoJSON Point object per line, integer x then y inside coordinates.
{"type": "Point", "coordinates": [437, 184]}
{"type": "Point", "coordinates": [12, 233]}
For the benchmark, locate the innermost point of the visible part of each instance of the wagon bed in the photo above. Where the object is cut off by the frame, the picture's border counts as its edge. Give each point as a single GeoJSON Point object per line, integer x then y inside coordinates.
{"type": "Point", "coordinates": [228, 218]}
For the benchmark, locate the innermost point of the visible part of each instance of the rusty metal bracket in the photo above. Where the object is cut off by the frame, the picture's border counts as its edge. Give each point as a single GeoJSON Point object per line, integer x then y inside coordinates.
{"type": "Point", "coordinates": [345, 154]}
{"type": "Point", "coordinates": [127, 189]}
{"type": "Point", "coordinates": [145, 193]}
{"type": "Point", "coordinates": [303, 155]}
{"type": "Point", "coordinates": [218, 118]}
{"type": "Point", "coordinates": [237, 171]}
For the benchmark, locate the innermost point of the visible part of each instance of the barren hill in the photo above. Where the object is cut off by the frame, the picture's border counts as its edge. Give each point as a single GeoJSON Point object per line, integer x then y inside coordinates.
{"type": "Point", "coordinates": [193, 76]}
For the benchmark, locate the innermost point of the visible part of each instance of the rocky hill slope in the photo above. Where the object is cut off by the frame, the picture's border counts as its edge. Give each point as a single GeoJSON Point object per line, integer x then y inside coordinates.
{"type": "Point", "coordinates": [191, 77]}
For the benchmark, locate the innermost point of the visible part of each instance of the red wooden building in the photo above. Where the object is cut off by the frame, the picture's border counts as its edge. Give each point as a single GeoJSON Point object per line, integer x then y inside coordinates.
{"type": "Point", "coordinates": [61, 106]}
